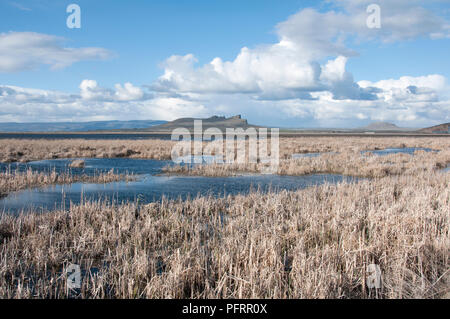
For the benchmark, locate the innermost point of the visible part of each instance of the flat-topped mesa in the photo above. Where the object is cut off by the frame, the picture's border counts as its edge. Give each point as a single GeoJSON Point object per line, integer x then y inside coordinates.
{"type": "Point", "coordinates": [216, 118]}
{"type": "Point", "coordinates": [238, 118]}
{"type": "Point", "coordinates": [220, 122]}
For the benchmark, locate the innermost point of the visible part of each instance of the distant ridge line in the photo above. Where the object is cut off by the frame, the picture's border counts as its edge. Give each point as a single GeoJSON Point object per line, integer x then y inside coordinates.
{"type": "Point", "coordinates": [91, 126]}
{"type": "Point", "coordinates": [441, 128]}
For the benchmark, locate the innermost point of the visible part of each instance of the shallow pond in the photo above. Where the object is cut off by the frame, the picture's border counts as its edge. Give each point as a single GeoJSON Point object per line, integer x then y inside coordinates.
{"type": "Point", "coordinates": [147, 188]}
{"type": "Point", "coordinates": [92, 166]}
{"type": "Point", "coordinates": [309, 155]}
{"type": "Point", "coordinates": [386, 151]}
{"type": "Point", "coordinates": [86, 136]}
{"type": "Point", "coordinates": [404, 150]}
{"type": "Point", "coordinates": [152, 188]}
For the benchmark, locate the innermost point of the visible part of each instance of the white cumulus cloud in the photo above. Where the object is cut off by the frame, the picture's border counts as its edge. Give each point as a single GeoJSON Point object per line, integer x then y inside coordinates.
{"type": "Point", "coordinates": [94, 102]}
{"type": "Point", "coordinates": [302, 79]}
{"type": "Point", "coordinates": [290, 68]}
{"type": "Point", "coordinates": [28, 50]}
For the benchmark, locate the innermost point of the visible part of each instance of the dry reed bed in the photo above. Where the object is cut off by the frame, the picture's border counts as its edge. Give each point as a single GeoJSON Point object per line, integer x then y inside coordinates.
{"type": "Point", "coordinates": [24, 150]}
{"type": "Point", "coordinates": [349, 163]}
{"type": "Point", "coordinates": [298, 145]}
{"type": "Point", "coordinates": [16, 180]}
{"type": "Point", "coordinates": [27, 150]}
{"type": "Point", "coordinates": [312, 243]}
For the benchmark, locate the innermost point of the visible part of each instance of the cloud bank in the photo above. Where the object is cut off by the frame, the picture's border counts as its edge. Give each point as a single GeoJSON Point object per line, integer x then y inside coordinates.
{"type": "Point", "coordinates": [20, 51]}
{"type": "Point", "coordinates": [301, 80]}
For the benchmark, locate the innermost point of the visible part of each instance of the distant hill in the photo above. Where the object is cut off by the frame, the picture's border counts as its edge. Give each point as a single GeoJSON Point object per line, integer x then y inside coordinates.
{"type": "Point", "coordinates": [221, 122]}
{"type": "Point", "coordinates": [441, 128]}
{"type": "Point", "coordinates": [78, 126]}
{"type": "Point", "coordinates": [381, 126]}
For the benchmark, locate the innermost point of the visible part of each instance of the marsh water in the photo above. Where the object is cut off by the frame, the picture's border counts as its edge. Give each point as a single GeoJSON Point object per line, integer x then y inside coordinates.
{"type": "Point", "coordinates": [149, 186]}
{"type": "Point", "coordinates": [86, 136]}
{"type": "Point", "coordinates": [386, 151]}
{"type": "Point", "coordinates": [405, 150]}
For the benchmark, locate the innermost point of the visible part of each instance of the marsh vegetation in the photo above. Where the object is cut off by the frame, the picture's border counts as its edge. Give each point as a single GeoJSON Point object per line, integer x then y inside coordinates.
{"type": "Point", "coordinates": [14, 180]}
{"type": "Point", "coordinates": [25, 150]}
{"type": "Point", "coordinates": [310, 243]}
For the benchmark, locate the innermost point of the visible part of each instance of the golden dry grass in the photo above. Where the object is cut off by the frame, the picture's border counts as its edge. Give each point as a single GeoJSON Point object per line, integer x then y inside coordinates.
{"type": "Point", "coordinates": [27, 149]}
{"type": "Point", "coordinates": [16, 180]}
{"type": "Point", "coordinates": [289, 146]}
{"type": "Point", "coordinates": [312, 243]}
{"type": "Point", "coordinates": [348, 163]}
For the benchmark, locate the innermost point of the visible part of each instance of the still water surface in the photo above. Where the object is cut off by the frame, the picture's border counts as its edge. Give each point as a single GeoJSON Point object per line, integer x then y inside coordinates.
{"type": "Point", "coordinates": [148, 187]}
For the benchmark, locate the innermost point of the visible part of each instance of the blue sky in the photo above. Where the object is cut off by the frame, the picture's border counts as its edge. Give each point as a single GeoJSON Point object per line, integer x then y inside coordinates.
{"type": "Point", "coordinates": [143, 34]}
{"type": "Point", "coordinates": [281, 63]}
